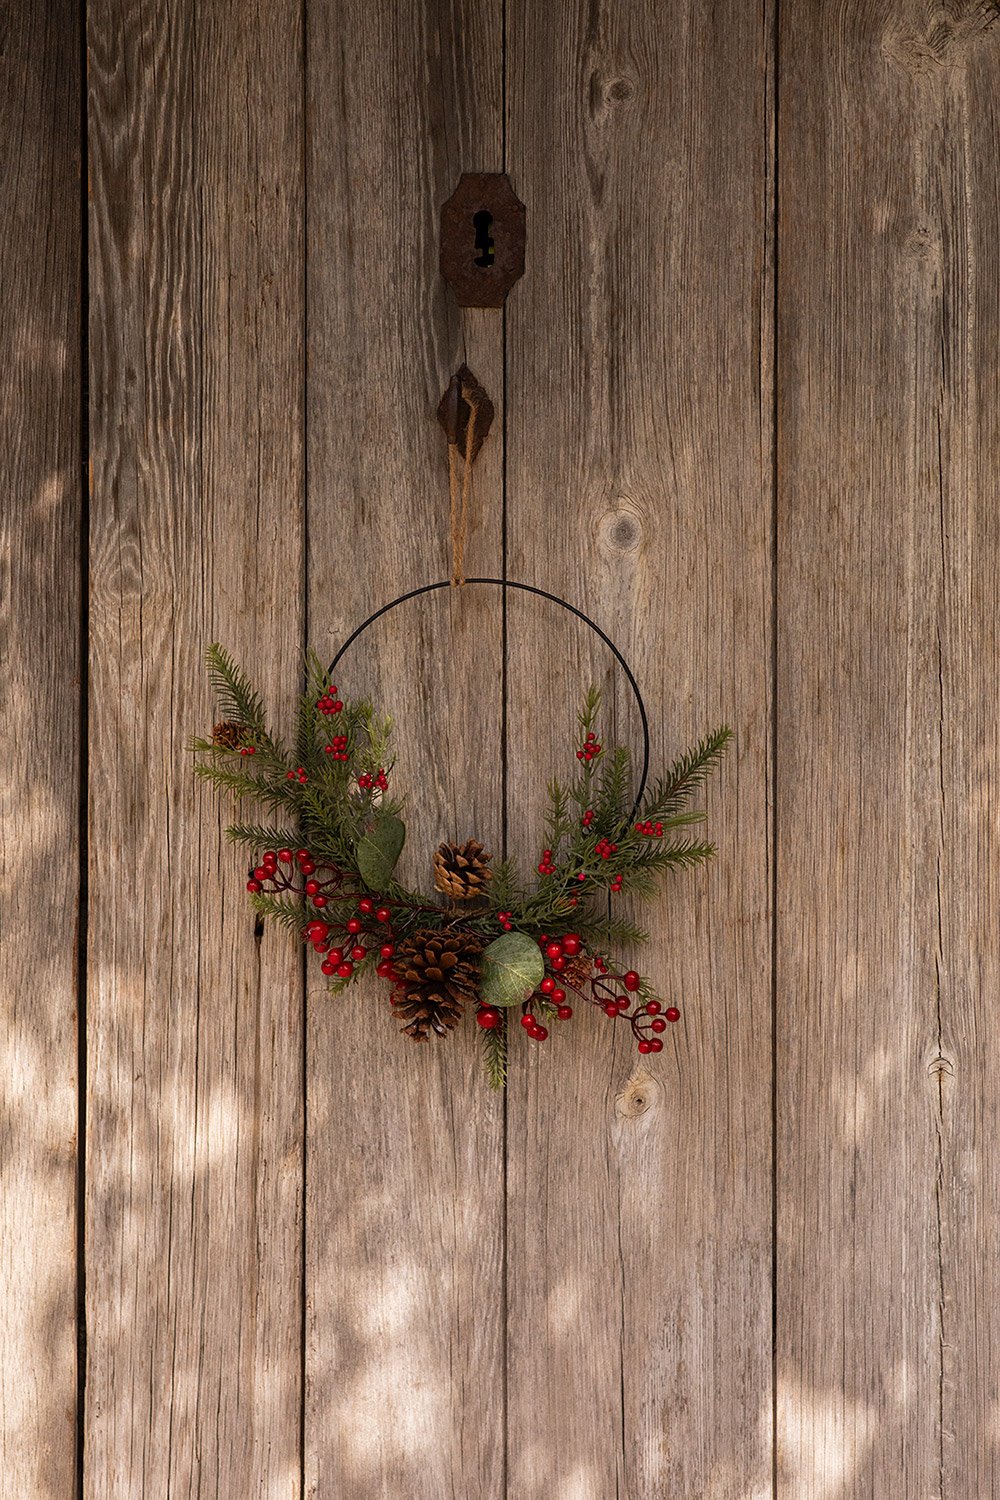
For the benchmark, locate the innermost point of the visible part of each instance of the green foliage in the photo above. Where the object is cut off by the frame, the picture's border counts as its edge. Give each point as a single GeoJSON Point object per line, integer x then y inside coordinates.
{"type": "Point", "coordinates": [257, 836]}
{"type": "Point", "coordinates": [686, 775]}
{"type": "Point", "coordinates": [511, 967]}
{"type": "Point", "coordinates": [494, 1050]}
{"type": "Point", "coordinates": [379, 847]}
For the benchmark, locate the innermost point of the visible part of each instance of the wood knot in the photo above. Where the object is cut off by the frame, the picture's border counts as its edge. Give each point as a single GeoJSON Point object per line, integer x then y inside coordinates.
{"type": "Point", "coordinates": [621, 528]}
{"type": "Point", "coordinates": [941, 1067]}
{"type": "Point", "coordinates": [609, 93]}
{"type": "Point", "coordinates": [941, 38]}
{"type": "Point", "coordinates": [638, 1096]}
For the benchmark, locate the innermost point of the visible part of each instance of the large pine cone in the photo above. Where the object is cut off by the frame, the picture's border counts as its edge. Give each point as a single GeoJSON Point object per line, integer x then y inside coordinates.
{"type": "Point", "coordinates": [462, 871]}
{"type": "Point", "coordinates": [229, 735]}
{"type": "Point", "coordinates": [438, 972]}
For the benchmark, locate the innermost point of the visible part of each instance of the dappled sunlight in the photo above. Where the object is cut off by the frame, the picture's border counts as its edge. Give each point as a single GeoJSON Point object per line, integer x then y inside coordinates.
{"type": "Point", "coordinates": [822, 1442]}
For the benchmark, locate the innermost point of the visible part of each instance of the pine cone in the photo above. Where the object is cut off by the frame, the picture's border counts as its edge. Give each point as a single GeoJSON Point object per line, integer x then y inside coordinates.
{"type": "Point", "coordinates": [439, 972]}
{"type": "Point", "coordinates": [229, 735]}
{"type": "Point", "coordinates": [578, 970]}
{"type": "Point", "coordinates": [462, 871]}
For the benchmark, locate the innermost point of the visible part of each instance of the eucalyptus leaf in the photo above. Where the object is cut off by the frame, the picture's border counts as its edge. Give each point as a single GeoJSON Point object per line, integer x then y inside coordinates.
{"type": "Point", "coordinates": [511, 969]}
{"type": "Point", "coordinates": [379, 847]}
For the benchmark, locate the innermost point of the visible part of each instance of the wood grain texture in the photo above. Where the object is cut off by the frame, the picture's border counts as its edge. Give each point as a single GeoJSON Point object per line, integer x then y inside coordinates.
{"type": "Point", "coordinates": [888, 750]}
{"type": "Point", "coordinates": [639, 480]}
{"type": "Point", "coordinates": [193, 1163]}
{"type": "Point", "coordinates": [405, 1171]}
{"type": "Point", "coordinates": [40, 521]}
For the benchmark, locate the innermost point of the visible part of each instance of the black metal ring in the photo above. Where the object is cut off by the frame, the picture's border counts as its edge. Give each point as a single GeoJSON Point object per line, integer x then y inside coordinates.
{"type": "Point", "coordinates": [525, 588]}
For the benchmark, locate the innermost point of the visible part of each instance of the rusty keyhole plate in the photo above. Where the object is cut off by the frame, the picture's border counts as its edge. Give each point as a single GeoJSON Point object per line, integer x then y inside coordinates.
{"type": "Point", "coordinates": [482, 239]}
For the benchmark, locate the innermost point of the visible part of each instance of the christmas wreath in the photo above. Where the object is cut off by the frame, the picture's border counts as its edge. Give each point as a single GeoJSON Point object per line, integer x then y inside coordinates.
{"type": "Point", "coordinates": [485, 942]}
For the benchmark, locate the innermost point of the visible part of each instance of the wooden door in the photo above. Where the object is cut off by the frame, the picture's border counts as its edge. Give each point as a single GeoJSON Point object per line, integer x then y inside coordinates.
{"type": "Point", "coordinates": [251, 1242]}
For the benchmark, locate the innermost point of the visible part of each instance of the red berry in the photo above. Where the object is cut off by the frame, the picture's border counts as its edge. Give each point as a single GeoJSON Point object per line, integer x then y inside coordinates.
{"type": "Point", "coordinates": [253, 885]}
{"type": "Point", "coordinates": [336, 956]}
{"type": "Point", "coordinates": [672, 1013]}
{"type": "Point", "coordinates": [631, 981]}
{"type": "Point", "coordinates": [260, 873]}
{"type": "Point", "coordinates": [558, 996]}
{"type": "Point", "coordinates": [383, 914]}
{"type": "Point", "coordinates": [316, 930]}
{"type": "Point", "coordinates": [285, 855]}
{"type": "Point", "coordinates": [301, 854]}
{"type": "Point", "coordinates": [571, 944]}
{"type": "Point", "coordinates": [553, 949]}
{"type": "Point", "coordinates": [547, 985]}
{"type": "Point", "coordinates": [355, 925]}
{"type": "Point", "coordinates": [658, 1025]}
{"type": "Point", "coordinates": [656, 1045]}
{"type": "Point", "coordinates": [652, 1007]}
{"type": "Point", "coordinates": [366, 905]}
{"type": "Point", "coordinates": [385, 970]}
{"type": "Point", "coordinates": [328, 967]}
{"type": "Point", "coordinates": [610, 1008]}
{"type": "Point", "coordinates": [386, 950]}
{"type": "Point", "coordinates": [312, 886]}
{"type": "Point", "coordinates": [345, 970]}
{"type": "Point", "coordinates": [359, 953]}
{"type": "Point", "coordinates": [488, 1017]}
{"type": "Point", "coordinates": [564, 1012]}
{"type": "Point", "coordinates": [558, 963]}
{"type": "Point", "coordinates": [645, 1046]}
{"type": "Point", "coordinates": [307, 867]}
{"type": "Point", "coordinates": [538, 1033]}
{"type": "Point", "coordinates": [527, 1020]}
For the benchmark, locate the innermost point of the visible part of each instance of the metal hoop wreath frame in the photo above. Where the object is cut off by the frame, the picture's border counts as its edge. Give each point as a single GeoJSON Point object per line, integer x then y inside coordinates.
{"type": "Point", "coordinates": [524, 588]}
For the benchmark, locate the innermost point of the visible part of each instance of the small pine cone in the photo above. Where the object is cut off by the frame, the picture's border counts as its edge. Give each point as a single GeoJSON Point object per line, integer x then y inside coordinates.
{"type": "Point", "coordinates": [578, 970]}
{"type": "Point", "coordinates": [229, 735]}
{"type": "Point", "coordinates": [438, 972]}
{"type": "Point", "coordinates": [462, 871]}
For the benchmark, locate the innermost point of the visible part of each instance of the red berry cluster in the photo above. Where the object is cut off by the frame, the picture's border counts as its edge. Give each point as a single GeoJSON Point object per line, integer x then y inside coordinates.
{"type": "Point", "coordinates": [587, 818]}
{"type": "Point", "coordinates": [267, 871]}
{"type": "Point", "coordinates": [248, 749]}
{"type": "Point", "coordinates": [298, 774]}
{"type": "Point", "coordinates": [650, 829]}
{"type": "Point", "coordinates": [605, 848]}
{"type": "Point", "coordinates": [367, 780]}
{"type": "Point", "coordinates": [616, 884]}
{"type": "Point", "coordinates": [338, 748]}
{"type": "Point", "coordinates": [344, 945]}
{"type": "Point", "coordinates": [503, 917]}
{"type": "Point", "coordinates": [330, 703]}
{"type": "Point", "coordinates": [589, 749]}
{"type": "Point", "coordinates": [546, 867]}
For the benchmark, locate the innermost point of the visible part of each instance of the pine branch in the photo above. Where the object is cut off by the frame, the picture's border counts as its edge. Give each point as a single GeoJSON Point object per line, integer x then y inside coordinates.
{"type": "Point", "coordinates": [557, 820]}
{"type": "Point", "coordinates": [494, 1045]}
{"type": "Point", "coordinates": [257, 836]}
{"type": "Point", "coordinates": [611, 932]}
{"type": "Point", "coordinates": [686, 775]}
{"type": "Point", "coordinates": [504, 889]}
{"type": "Point", "coordinates": [685, 853]}
{"type": "Point", "coordinates": [234, 691]}
{"type": "Point", "coordinates": [284, 909]}
{"type": "Point", "coordinates": [611, 803]}
{"type": "Point", "coordinates": [240, 784]}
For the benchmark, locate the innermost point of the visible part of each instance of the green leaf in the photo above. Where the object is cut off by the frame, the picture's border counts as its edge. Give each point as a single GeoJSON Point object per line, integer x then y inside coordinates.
{"type": "Point", "coordinates": [378, 850]}
{"type": "Point", "coordinates": [511, 969]}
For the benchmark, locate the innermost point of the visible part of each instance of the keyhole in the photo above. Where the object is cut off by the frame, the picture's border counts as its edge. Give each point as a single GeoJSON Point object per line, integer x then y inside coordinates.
{"type": "Point", "coordinates": [484, 240]}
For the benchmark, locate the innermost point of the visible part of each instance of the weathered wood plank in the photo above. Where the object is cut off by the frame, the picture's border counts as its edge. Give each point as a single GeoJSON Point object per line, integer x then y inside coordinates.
{"type": "Point", "coordinates": [639, 449]}
{"type": "Point", "coordinates": [39, 801]}
{"type": "Point", "coordinates": [405, 1184]}
{"type": "Point", "coordinates": [194, 1086]}
{"type": "Point", "coordinates": [887, 750]}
